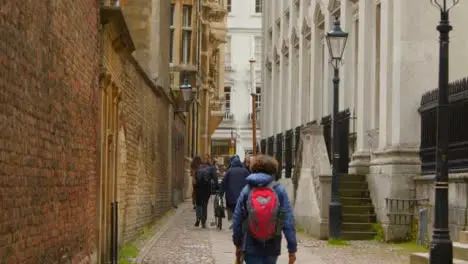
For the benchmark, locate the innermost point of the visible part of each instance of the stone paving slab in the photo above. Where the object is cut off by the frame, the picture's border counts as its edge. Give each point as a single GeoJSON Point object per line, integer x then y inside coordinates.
{"type": "Point", "coordinates": [182, 243]}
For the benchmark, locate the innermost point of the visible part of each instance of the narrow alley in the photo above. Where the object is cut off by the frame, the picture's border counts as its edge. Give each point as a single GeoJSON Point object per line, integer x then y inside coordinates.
{"type": "Point", "coordinates": [180, 242]}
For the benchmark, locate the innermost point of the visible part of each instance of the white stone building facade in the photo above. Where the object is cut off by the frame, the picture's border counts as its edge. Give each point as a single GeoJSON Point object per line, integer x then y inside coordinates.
{"type": "Point", "coordinates": [244, 42]}
{"type": "Point", "coordinates": [390, 61]}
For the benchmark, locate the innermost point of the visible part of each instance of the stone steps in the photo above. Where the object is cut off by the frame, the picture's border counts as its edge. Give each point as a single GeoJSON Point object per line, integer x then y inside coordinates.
{"type": "Point", "coordinates": [359, 218]}
{"type": "Point", "coordinates": [343, 192]}
{"type": "Point", "coordinates": [357, 235]}
{"type": "Point", "coordinates": [355, 201]}
{"type": "Point", "coordinates": [357, 210]}
{"type": "Point", "coordinates": [460, 252]}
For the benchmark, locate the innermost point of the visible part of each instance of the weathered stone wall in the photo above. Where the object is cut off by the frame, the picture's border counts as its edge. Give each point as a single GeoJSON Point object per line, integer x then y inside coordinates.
{"type": "Point", "coordinates": [144, 140]}
{"type": "Point", "coordinates": [48, 140]}
{"type": "Point", "coordinates": [312, 182]}
{"type": "Point", "coordinates": [149, 22]}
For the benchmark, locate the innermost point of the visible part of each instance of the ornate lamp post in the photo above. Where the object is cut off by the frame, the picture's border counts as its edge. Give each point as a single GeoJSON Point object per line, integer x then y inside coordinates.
{"type": "Point", "coordinates": [188, 96]}
{"type": "Point", "coordinates": [187, 92]}
{"type": "Point", "coordinates": [254, 105]}
{"type": "Point", "coordinates": [336, 42]}
{"type": "Point", "coordinates": [441, 244]}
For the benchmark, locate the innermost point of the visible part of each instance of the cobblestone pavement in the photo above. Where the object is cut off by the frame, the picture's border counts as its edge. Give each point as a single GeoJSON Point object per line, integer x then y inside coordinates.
{"type": "Point", "coordinates": [182, 243]}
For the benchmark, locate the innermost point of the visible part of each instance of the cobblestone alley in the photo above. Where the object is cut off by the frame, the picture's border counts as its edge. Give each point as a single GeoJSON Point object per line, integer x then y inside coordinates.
{"type": "Point", "coordinates": [181, 243]}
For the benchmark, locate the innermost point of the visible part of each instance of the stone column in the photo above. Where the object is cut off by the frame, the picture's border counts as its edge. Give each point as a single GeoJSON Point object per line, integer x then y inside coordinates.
{"type": "Point", "coordinates": [386, 72]}
{"type": "Point", "coordinates": [306, 84]}
{"type": "Point", "coordinates": [315, 75]}
{"type": "Point", "coordinates": [290, 87]}
{"type": "Point", "coordinates": [346, 73]}
{"type": "Point", "coordinates": [409, 53]}
{"type": "Point", "coordinates": [328, 71]}
{"type": "Point", "coordinates": [301, 109]}
{"type": "Point", "coordinates": [366, 77]}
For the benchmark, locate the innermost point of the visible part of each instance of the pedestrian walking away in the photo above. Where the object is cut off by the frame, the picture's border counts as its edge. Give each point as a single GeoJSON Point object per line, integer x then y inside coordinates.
{"type": "Point", "coordinates": [263, 211]}
{"type": "Point", "coordinates": [233, 182]}
{"type": "Point", "coordinates": [196, 162]}
{"type": "Point", "coordinates": [205, 178]}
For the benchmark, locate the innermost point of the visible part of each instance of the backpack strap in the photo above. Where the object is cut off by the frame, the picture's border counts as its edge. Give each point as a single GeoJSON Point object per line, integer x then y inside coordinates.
{"type": "Point", "coordinates": [272, 185]}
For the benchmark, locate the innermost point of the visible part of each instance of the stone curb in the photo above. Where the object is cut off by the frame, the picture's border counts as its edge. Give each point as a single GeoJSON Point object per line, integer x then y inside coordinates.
{"type": "Point", "coordinates": [168, 222]}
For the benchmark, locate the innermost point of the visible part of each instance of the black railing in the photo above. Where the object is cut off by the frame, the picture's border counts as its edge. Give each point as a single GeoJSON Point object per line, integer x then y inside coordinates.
{"type": "Point", "coordinates": [297, 137]}
{"type": "Point", "coordinates": [263, 145]}
{"type": "Point", "coordinates": [271, 146]}
{"type": "Point", "coordinates": [343, 129]}
{"type": "Point", "coordinates": [458, 133]}
{"type": "Point", "coordinates": [288, 150]}
{"type": "Point", "coordinates": [279, 154]}
{"type": "Point", "coordinates": [114, 232]}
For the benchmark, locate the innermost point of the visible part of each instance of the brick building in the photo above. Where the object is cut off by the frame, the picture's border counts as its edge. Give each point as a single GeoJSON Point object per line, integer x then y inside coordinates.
{"type": "Point", "coordinates": [84, 125]}
{"type": "Point", "coordinates": [49, 112]}
{"type": "Point", "coordinates": [140, 119]}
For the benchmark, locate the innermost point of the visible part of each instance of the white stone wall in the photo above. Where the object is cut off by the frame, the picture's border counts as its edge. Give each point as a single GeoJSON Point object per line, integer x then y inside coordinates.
{"type": "Point", "coordinates": [243, 26]}
{"type": "Point", "coordinates": [391, 59]}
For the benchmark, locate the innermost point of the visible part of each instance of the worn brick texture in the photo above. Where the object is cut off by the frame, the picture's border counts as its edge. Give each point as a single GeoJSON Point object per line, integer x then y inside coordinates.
{"type": "Point", "coordinates": [48, 119]}
{"type": "Point", "coordinates": [143, 143]}
{"type": "Point", "coordinates": [178, 158]}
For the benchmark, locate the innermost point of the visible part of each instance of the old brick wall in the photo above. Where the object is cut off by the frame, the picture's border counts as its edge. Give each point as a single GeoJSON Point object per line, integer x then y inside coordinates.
{"type": "Point", "coordinates": [143, 174]}
{"type": "Point", "coordinates": [48, 119]}
{"type": "Point", "coordinates": [178, 157]}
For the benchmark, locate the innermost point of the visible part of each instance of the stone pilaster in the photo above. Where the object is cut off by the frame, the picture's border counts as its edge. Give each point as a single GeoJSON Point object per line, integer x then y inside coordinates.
{"type": "Point", "coordinates": [366, 77]}
{"type": "Point", "coordinates": [346, 72]}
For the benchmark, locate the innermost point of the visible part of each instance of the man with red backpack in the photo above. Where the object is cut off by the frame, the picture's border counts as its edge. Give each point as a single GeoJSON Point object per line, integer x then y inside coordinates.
{"type": "Point", "coordinates": [262, 213]}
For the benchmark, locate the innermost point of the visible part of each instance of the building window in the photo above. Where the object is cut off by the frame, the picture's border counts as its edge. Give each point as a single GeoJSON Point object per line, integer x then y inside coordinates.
{"type": "Point", "coordinates": [186, 41]}
{"type": "Point", "coordinates": [185, 55]}
{"type": "Point", "coordinates": [187, 18]}
{"type": "Point", "coordinates": [229, 6]}
{"type": "Point", "coordinates": [258, 98]}
{"type": "Point", "coordinates": [172, 28]}
{"type": "Point", "coordinates": [258, 52]}
{"type": "Point", "coordinates": [258, 6]}
{"type": "Point", "coordinates": [227, 98]}
{"type": "Point", "coordinates": [171, 51]}
{"type": "Point", "coordinates": [172, 14]}
{"type": "Point", "coordinates": [227, 54]}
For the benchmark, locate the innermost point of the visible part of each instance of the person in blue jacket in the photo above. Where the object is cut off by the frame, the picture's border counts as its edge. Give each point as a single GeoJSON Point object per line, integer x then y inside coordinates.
{"type": "Point", "coordinates": [233, 183]}
{"type": "Point", "coordinates": [263, 168]}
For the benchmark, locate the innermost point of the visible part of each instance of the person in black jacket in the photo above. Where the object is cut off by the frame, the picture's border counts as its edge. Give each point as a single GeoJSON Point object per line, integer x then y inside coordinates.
{"type": "Point", "coordinates": [205, 176]}
{"type": "Point", "coordinates": [233, 183]}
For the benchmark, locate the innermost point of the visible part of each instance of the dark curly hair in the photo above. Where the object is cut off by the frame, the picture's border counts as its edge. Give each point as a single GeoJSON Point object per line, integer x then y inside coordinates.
{"type": "Point", "coordinates": [196, 162]}
{"type": "Point", "coordinates": [264, 164]}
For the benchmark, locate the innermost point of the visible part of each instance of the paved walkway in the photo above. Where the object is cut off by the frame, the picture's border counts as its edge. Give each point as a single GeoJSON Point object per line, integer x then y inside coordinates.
{"type": "Point", "coordinates": [182, 243]}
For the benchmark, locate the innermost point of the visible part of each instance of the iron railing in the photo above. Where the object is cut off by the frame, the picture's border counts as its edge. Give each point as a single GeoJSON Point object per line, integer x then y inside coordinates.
{"type": "Point", "coordinates": [288, 151]}
{"type": "Point", "coordinates": [271, 146]}
{"type": "Point", "coordinates": [114, 232]}
{"type": "Point", "coordinates": [458, 133]}
{"type": "Point", "coordinates": [279, 154]}
{"type": "Point", "coordinates": [343, 130]}
{"type": "Point", "coordinates": [263, 145]}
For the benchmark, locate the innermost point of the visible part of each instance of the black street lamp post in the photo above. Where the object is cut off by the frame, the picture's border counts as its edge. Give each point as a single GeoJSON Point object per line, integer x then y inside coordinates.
{"type": "Point", "coordinates": [441, 244]}
{"type": "Point", "coordinates": [188, 96]}
{"type": "Point", "coordinates": [336, 41]}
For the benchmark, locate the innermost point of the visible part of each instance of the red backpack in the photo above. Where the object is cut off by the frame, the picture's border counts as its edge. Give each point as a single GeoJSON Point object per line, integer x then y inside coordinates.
{"type": "Point", "coordinates": [263, 209]}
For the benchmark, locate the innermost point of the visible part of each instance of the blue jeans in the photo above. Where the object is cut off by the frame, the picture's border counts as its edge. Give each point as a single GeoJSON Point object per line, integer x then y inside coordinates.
{"type": "Point", "coordinates": [255, 259]}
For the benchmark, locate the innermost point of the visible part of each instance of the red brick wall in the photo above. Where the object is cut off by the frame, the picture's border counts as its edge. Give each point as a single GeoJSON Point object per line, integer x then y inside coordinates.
{"type": "Point", "coordinates": [48, 118]}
